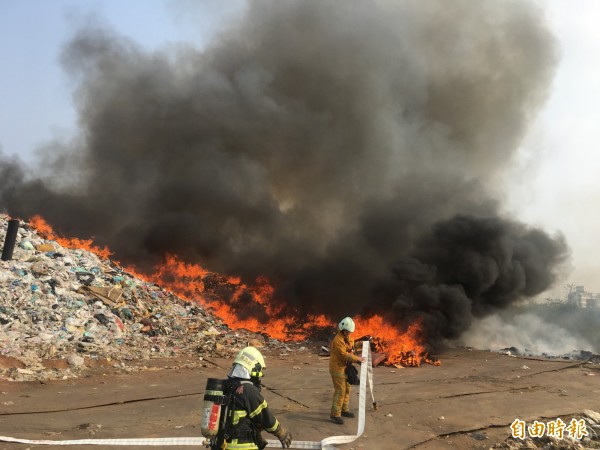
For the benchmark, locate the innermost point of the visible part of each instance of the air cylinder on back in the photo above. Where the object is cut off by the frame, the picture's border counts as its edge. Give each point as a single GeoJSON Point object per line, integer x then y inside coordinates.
{"type": "Point", "coordinates": [211, 412]}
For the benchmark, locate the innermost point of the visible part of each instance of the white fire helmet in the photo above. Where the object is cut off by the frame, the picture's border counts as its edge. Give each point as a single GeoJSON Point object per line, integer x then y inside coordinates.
{"type": "Point", "coordinates": [347, 324]}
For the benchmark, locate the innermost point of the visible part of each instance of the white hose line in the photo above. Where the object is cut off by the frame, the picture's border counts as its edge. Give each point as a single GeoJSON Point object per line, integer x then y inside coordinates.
{"type": "Point", "coordinates": [366, 372]}
{"type": "Point", "coordinates": [133, 441]}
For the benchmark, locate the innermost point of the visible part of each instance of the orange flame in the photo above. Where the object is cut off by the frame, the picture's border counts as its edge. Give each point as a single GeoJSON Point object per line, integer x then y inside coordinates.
{"type": "Point", "coordinates": [390, 340]}
{"type": "Point", "coordinates": [46, 231]}
{"type": "Point", "coordinates": [232, 299]}
{"type": "Point", "coordinates": [189, 282]}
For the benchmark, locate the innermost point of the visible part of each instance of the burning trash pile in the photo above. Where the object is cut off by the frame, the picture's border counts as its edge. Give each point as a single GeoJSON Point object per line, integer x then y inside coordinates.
{"type": "Point", "coordinates": [69, 305]}
{"type": "Point", "coordinates": [402, 358]}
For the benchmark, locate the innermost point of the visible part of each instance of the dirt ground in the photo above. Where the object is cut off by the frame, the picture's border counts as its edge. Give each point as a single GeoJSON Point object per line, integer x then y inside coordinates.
{"type": "Point", "coordinates": [468, 402]}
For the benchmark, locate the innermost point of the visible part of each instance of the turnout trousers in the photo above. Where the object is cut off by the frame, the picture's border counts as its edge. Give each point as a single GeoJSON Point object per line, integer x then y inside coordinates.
{"type": "Point", "coordinates": [341, 394]}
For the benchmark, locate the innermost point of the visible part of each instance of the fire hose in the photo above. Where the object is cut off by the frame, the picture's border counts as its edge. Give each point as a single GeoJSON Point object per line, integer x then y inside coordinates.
{"type": "Point", "coordinates": [366, 374]}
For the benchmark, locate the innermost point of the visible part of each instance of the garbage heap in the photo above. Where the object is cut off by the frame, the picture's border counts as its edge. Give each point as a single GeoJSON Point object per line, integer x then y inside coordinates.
{"type": "Point", "coordinates": [68, 305]}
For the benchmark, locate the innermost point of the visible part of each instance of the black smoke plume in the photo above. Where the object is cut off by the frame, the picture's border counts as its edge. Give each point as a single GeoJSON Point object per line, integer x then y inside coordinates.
{"type": "Point", "coordinates": [349, 151]}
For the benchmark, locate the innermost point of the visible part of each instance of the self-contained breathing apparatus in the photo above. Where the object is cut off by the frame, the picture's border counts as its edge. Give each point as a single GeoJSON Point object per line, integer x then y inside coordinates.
{"type": "Point", "coordinates": [219, 402]}
{"type": "Point", "coordinates": [216, 425]}
{"type": "Point", "coordinates": [213, 413]}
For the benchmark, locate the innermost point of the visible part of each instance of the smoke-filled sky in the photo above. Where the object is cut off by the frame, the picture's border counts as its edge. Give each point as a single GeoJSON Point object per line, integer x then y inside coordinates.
{"type": "Point", "coordinates": [363, 155]}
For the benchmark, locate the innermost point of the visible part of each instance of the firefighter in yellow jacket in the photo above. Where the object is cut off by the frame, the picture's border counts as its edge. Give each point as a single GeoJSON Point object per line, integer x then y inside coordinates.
{"type": "Point", "coordinates": [342, 348]}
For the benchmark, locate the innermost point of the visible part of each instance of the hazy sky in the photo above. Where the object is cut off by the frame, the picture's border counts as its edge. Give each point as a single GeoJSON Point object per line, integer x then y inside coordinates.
{"type": "Point", "coordinates": [554, 185]}
{"type": "Point", "coordinates": [558, 184]}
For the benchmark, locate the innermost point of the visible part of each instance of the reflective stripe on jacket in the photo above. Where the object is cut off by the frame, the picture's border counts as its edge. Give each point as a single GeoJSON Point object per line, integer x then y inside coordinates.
{"type": "Point", "coordinates": [250, 413]}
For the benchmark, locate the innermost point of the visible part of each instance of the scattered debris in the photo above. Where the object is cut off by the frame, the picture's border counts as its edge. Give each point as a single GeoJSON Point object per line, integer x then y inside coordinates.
{"type": "Point", "coordinates": [479, 436]}
{"type": "Point", "coordinates": [575, 355]}
{"type": "Point", "coordinates": [592, 440]}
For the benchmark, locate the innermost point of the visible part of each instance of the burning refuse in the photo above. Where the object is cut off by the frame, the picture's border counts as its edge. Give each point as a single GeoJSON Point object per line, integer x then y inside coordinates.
{"type": "Point", "coordinates": [404, 358]}
{"type": "Point", "coordinates": [220, 293]}
{"type": "Point", "coordinates": [226, 296]}
{"type": "Point", "coordinates": [286, 188]}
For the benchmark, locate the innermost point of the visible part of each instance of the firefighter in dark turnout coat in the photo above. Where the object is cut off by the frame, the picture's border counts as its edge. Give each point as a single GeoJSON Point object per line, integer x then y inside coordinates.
{"type": "Point", "coordinates": [250, 414]}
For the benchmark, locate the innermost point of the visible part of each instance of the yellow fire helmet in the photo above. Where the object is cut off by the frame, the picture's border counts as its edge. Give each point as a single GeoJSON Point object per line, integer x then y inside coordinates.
{"type": "Point", "coordinates": [347, 324]}
{"type": "Point", "coordinates": [252, 360]}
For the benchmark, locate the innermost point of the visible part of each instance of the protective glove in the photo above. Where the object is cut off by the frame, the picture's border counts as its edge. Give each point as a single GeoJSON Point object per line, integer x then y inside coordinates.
{"type": "Point", "coordinates": [284, 436]}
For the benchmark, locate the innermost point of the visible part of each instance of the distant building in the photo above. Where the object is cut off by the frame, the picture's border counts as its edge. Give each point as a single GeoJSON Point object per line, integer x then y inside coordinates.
{"type": "Point", "coordinates": [580, 298]}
